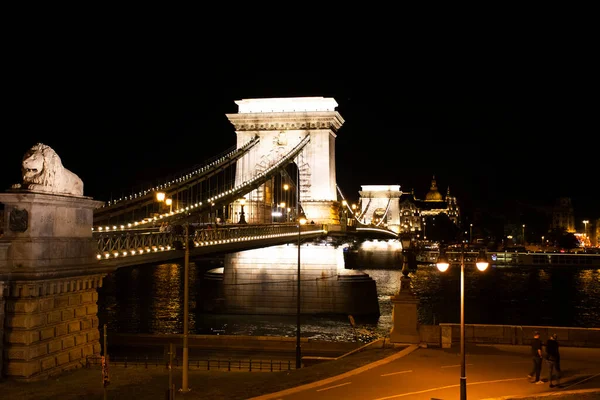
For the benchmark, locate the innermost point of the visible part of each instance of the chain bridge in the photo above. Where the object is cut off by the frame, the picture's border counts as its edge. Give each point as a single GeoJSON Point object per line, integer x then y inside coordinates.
{"type": "Point", "coordinates": [246, 204]}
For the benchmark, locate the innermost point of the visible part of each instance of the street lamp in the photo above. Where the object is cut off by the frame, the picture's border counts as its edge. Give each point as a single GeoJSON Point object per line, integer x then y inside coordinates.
{"type": "Point", "coordinates": [585, 222]}
{"type": "Point", "coordinates": [443, 264]}
{"type": "Point", "coordinates": [470, 234]}
{"type": "Point", "coordinates": [282, 205]}
{"type": "Point", "coordinates": [301, 221]}
{"type": "Point", "coordinates": [186, 295]}
{"type": "Point", "coordinates": [242, 214]}
{"type": "Point", "coordinates": [523, 233]}
{"type": "Point", "coordinates": [169, 202]}
{"type": "Point", "coordinates": [160, 197]}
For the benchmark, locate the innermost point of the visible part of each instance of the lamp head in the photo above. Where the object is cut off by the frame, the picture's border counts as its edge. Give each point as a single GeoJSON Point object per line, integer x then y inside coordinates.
{"type": "Point", "coordinates": [302, 218]}
{"type": "Point", "coordinates": [160, 196]}
{"type": "Point", "coordinates": [482, 262]}
{"type": "Point", "coordinates": [442, 262]}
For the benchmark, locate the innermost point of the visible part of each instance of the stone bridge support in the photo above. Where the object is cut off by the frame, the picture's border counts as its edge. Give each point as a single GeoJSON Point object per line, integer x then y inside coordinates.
{"type": "Point", "coordinates": [48, 287]}
{"type": "Point", "coordinates": [264, 281]}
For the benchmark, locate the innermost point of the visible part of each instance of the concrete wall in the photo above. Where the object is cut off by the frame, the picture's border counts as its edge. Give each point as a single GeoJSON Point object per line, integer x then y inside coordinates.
{"type": "Point", "coordinates": [446, 335]}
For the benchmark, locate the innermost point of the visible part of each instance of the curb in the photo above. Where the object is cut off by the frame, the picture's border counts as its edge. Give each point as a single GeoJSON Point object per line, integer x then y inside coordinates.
{"type": "Point", "coordinates": [540, 395]}
{"type": "Point", "coordinates": [401, 353]}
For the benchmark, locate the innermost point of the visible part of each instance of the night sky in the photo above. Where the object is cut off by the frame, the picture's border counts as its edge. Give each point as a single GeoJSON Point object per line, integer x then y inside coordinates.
{"type": "Point", "coordinates": [528, 136]}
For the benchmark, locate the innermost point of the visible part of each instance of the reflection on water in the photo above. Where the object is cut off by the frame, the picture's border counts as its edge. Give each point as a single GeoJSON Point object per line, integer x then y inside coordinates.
{"type": "Point", "coordinates": [149, 299]}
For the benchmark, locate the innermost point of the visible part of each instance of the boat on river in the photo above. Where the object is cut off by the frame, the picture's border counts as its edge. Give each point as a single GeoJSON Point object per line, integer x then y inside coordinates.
{"type": "Point", "coordinates": [518, 258]}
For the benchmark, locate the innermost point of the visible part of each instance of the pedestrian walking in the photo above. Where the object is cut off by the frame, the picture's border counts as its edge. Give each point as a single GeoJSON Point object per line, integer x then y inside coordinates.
{"type": "Point", "coordinates": [553, 359]}
{"type": "Point", "coordinates": [536, 356]}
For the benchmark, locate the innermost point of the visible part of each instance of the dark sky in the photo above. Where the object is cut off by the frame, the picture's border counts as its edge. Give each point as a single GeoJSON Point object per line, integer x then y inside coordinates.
{"type": "Point", "coordinates": [492, 136]}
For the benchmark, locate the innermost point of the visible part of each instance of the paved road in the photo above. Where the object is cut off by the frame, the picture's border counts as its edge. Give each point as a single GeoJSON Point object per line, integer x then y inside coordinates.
{"type": "Point", "coordinates": [492, 371]}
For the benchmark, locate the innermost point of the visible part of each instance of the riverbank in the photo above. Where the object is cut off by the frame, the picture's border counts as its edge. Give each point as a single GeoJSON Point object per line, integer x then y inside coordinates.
{"type": "Point", "coordinates": [151, 382]}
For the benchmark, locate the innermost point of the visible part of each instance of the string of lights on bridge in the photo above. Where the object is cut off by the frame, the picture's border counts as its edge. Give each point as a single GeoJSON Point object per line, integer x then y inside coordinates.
{"type": "Point", "coordinates": [185, 177]}
{"type": "Point", "coordinates": [199, 243]}
{"type": "Point", "coordinates": [248, 183]}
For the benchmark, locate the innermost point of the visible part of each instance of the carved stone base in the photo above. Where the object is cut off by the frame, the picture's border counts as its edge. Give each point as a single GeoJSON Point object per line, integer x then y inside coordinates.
{"type": "Point", "coordinates": [405, 324]}
{"type": "Point", "coordinates": [50, 326]}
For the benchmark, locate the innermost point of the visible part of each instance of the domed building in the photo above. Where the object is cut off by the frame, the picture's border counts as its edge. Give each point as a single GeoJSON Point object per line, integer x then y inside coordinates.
{"type": "Point", "coordinates": [387, 205]}
{"type": "Point", "coordinates": [414, 212]}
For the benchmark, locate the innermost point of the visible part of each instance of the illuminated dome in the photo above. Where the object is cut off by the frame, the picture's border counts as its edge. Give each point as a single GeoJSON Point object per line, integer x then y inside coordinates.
{"type": "Point", "coordinates": [433, 194]}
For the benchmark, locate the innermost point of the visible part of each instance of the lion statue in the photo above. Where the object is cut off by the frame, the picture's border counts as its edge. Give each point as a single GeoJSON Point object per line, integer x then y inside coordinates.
{"type": "Point", "coordinates": [43, 171]}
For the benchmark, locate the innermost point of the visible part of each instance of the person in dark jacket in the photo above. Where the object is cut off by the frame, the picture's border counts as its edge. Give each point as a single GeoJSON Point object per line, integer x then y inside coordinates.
{"type": "Point", "coordinates": [553, 358]}
{"type": "Point", "coordinates": [536, 356]}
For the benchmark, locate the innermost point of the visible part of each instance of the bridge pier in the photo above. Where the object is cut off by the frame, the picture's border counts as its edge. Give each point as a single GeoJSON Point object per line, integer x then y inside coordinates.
{"type": "Point", "coordinates": [48, 288]}
{"type": "Point", "coordinates": [264, 281]}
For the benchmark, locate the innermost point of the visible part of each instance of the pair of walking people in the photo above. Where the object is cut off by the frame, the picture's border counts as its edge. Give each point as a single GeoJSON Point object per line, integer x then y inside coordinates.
{"type": "Point", "coordinates": [551, 355]}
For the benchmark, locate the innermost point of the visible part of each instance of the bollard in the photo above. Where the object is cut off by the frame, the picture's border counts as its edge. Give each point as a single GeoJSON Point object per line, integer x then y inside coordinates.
{"type": "Point", "coordinates": [250, 365]}
{"type": "Point", "coordinates": [271, 365]}
{"type": "Point", "coordinates": [229, 365]}
{"type": "Point", "coordinates": [208, 364]}
{"type": "Point", "coordinates": [289, 365]}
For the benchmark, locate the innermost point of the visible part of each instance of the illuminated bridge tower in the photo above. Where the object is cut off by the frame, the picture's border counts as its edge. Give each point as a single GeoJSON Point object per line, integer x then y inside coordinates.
{"type": "Point", "coordinates": [281, 124]}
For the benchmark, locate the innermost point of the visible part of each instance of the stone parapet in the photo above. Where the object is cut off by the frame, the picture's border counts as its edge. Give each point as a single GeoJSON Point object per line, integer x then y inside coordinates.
{"type": "Point", "coordinates": [50, 326]}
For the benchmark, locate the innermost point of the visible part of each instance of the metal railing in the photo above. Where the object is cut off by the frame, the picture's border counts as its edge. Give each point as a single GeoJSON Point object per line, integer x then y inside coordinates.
{"type": "Point", "coordinates": [117, 244]}
{"type": "Point", "coordinates": [207, 364]}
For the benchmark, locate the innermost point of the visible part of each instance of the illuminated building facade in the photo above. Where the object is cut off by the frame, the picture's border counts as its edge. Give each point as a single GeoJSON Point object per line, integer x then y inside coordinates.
{"type": "Point", "coordinates": [563, 216]}
{"type": "Point", "coordinates": [388, 206]}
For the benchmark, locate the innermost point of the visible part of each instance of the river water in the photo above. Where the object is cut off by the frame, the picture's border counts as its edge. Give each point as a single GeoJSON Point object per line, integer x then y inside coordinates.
{"type": "Point", "coordinates": [149, 299]}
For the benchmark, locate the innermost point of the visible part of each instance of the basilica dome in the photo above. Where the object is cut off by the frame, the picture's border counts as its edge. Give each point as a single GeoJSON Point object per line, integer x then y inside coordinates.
{"type": "Point", "coordinates": [433, 194]}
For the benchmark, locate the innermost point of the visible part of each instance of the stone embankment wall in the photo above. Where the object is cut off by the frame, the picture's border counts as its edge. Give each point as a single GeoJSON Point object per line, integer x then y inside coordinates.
{"type": "Point", "coordinates": [446, 335]}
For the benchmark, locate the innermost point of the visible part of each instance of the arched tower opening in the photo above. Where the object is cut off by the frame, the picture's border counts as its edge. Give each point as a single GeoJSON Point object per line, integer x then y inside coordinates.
{"type": "Point", "coordinates": [282, 125]}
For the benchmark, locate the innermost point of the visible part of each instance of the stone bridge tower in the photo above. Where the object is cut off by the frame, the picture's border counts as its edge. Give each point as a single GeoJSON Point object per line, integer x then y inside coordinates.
{"type": "Point", "coordinates": [281, 124]}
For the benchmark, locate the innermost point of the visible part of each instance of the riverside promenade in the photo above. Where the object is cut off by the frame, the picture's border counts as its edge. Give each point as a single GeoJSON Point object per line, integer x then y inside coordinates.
{"type": "Point", "coordinates": [493, 372]}
{"type": "Point", "coordinates": [377, 373]}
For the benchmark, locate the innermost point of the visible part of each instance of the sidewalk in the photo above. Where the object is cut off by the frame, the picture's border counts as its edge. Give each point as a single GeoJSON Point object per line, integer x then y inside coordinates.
{"type": "Point", "coordinates": [493, 372]}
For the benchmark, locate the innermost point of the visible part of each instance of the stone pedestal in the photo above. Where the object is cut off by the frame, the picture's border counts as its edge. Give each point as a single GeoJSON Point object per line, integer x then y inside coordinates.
{"type": "Point", "coordinates": [405, 326]}
{"type": "Point", "coordinates": [46, 230]}
{"type": "Point", "coordinates": [49, 278]}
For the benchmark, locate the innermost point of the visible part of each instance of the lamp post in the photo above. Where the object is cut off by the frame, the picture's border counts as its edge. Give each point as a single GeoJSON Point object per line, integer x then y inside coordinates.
{"type": "Point", "coordinates": [543, 244]}
{"type": "Point", "coordinates": [160, 197]}
{"type": "Point", "coordinates": [443, 264]}
{"type": "Point", "coordinates": [242, 214]}
{"type": "Point", "coordinates": [286, 187]}
{"type": "Point", "coordinates": [523, 233]}
{"type": "Point", "coordinates": [169, 202]}
{"type": "Point", "coordinates": [470, 234]}
{"type": "Point", "coordinates": [301, 221]}
{"type": "Point", "coordinates": [585, 222]}
{"type": "Point", "coordinates": [186, 272]}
